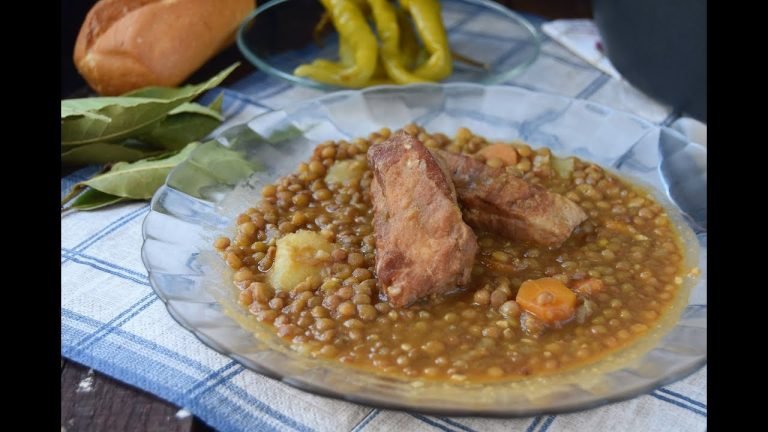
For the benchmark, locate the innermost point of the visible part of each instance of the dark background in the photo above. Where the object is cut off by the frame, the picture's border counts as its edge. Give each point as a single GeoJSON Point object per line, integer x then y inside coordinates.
{"type": "Point", "coordinates": [72, 16]}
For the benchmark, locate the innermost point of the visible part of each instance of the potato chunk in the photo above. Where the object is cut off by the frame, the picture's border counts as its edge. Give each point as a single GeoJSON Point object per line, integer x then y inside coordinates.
{"type": "Point", "coordinates": [563, 167]}
{"type": "Point", "coordinates": [297, 257]}
{"type": "Point", "coordinates": [342, 171]}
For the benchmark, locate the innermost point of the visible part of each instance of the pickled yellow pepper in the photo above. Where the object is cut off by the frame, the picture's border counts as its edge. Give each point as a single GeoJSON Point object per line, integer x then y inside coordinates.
{"type": "Point", "coordinates": [409, 44]}
{"type": "Point", "coordinates": [350, 23]}
{"type": "Point", "coordinates": [429, 24]}
{"type": "Point", "coordinates": [387, 27]}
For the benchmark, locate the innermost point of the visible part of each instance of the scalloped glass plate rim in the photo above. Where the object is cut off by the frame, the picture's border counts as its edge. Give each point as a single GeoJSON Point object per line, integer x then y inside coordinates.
{"type": "Point", "coordinates": [507, 412]}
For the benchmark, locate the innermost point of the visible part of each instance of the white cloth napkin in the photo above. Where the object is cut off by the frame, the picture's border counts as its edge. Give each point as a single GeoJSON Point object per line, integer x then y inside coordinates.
{"type": "Point", "coordinates": [582, 38]}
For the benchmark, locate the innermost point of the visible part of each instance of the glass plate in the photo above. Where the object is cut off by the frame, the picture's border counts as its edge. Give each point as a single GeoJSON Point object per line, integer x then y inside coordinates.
{"type": "Point", "coordinates": [482, 30]}
{"type": "Point", "coordinates": [201, 198]}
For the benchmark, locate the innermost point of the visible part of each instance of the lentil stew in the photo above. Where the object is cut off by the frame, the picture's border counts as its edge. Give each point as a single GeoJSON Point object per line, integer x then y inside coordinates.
{"type": "Point", "coordinates": [304, 260]}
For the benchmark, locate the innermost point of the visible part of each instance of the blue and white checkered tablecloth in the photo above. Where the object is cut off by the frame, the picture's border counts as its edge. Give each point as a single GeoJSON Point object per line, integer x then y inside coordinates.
{"type": "Point", "coordinates": [112, 321]}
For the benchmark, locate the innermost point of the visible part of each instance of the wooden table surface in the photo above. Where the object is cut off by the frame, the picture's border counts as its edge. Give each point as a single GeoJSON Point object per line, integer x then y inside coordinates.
{"type": "Point", "coordinates": [91, 401]}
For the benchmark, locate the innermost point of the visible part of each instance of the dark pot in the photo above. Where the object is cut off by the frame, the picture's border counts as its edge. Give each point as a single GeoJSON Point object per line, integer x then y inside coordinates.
{"type": "Point", "coordinates": [660, 46]}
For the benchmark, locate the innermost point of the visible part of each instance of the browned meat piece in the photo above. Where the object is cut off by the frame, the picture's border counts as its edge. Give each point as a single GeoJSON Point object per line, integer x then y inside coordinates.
{"type": "Point", "coordinates": [495, 200]}
{"type": "Point", "coordinates": [423, 246]}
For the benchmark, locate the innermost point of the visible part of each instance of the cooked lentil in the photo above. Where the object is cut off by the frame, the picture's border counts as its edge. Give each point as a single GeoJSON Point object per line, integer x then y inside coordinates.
{"type": "Point", "coordinates": [624, 262]}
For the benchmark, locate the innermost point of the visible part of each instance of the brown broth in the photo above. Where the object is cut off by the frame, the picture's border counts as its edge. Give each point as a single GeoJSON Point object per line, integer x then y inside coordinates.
{"type": "Point", "coordinates": [628, 242]}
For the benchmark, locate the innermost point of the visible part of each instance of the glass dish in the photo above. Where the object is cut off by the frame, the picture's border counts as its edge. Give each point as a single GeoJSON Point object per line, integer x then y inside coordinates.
{"type": "Point", "coordinates": [277, 37]}
{"type": "Point", "coordinates": [192, 280]}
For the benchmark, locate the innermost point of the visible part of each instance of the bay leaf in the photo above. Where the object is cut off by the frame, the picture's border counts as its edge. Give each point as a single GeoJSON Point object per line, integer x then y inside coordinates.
{"type": "Point", "coordinates": [102, 153]}
{"type": "Point", "coordinates": [187, 123]}
{"type": "Point", "coordinates": [74, 191]}
{"type": "Point", "coordinates": [211, 164]}
{"type": "Point", "coordinates": [93, 199]}
{"type": "Point", "coordinates": [69, 111]}
{"type": "Point", "coordinates": [129, 115]}
{"type": "Point", "coordinates": [138, 180]}
{"type": "Point", "coordinates": [213, 110]}
{"type": "Point", "coordinates": [242, 136]}
{"type": "Point", "coordinates": [92, 105]}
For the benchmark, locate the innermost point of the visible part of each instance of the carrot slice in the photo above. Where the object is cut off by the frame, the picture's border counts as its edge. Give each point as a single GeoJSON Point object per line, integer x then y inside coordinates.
{"type": "Point", "coordinates": [547, 299]}
{"type": "Point", "coordinates": [505, 152]}
{"type": "Point", "coordinates": [589, 286]}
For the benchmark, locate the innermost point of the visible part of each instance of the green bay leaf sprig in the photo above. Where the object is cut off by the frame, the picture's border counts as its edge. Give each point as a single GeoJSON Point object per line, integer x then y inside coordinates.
{"type": "Point", "coordinates": [140, 179]}
{"type": "Point", "coordinates": [93, 199]}
{"type": "Point", "coordinates": [186, 123]}
{"type": "Point", "coordinates": [205, 164]}
{"type": "Point", "coordinates": [83, 120]}
{"type": "Point", "coordinates": [103, 153]}
{"type": "Point", "coordinates": [140, 136]}
{"type": "Point", "coordinates": [131, 180]}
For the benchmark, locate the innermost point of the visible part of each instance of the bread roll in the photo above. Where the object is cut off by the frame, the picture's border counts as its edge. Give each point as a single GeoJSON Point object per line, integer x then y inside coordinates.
{"type": "Point", "coordinates": [128, 44]}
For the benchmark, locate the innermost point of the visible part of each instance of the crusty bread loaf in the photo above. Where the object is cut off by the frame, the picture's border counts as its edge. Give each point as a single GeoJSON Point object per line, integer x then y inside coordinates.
{"type": "Point", "coordinates": [128, 44]}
